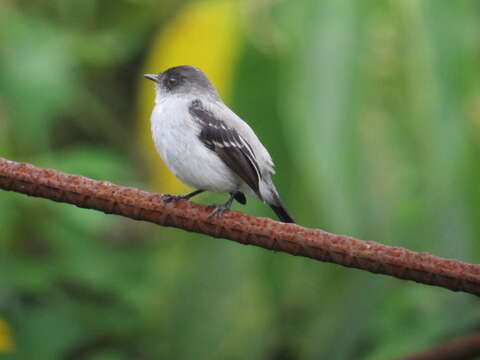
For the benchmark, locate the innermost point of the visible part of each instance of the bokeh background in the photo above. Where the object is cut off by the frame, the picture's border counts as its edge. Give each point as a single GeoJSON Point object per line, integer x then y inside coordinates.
{"type": "Point", "coordinates": [371, 111]}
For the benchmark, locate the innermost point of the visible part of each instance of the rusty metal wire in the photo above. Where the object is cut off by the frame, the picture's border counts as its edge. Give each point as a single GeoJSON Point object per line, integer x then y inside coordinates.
{"type": "Point", "coordinates": [463, 348]}
{"type": "Point", "coordinates": [293, 239]}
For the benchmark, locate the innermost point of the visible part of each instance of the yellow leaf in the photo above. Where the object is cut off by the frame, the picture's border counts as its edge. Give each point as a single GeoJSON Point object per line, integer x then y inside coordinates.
{"type": "Point", "coordinates": [6, 342]}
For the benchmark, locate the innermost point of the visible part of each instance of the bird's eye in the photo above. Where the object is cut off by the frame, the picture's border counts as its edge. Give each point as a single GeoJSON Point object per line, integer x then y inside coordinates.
{"type": "Point", "coordinates": [172, 81]}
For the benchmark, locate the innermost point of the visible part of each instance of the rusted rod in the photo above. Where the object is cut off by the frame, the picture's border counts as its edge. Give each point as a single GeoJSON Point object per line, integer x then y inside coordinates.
{"type": "Point", "coordinates": [464, 348]}
{"type": "Point", "coordinates": [293, 239]}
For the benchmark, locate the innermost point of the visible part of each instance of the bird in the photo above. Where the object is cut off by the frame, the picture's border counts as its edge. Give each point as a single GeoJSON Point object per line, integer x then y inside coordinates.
{"type": "Point", "coordinates": [206, 145]}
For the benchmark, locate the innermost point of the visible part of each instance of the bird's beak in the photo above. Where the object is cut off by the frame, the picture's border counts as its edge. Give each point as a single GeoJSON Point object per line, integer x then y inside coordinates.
{"type": "Point", "coordinates": [152, 77]}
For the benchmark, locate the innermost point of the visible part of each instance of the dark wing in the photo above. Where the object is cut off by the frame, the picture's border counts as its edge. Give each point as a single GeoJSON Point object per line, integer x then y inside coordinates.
{"type": "Point", "coordinates": [232, 148]}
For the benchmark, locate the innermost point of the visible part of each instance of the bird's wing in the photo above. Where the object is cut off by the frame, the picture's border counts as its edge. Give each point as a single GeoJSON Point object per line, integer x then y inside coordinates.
{"type": "Point", "coordinates": [228, 144]}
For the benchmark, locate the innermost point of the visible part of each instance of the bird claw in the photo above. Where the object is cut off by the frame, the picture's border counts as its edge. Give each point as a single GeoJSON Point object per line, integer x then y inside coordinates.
{"type": "Point", "coordinates": [218, 210]}
{"type": "Point", "coordinates": [169, 198]}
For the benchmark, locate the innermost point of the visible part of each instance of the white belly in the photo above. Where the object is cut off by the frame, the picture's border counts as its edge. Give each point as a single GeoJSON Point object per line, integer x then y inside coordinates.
{"type": "Point", "coordinates": [176, 138]}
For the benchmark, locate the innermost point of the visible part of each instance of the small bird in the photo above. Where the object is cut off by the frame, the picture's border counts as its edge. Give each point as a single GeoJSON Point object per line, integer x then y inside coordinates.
{"type": "Point", "coordinates": [206, 145]}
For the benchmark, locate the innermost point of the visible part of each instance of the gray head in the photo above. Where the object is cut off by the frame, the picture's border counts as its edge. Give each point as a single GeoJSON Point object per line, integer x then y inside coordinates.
{"type": "Point", "coordinates": [182, 79]}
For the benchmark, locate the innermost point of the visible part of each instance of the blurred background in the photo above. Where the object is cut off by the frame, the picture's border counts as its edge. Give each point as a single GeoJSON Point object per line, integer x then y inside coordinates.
{"type": "Point", "coordinates": [371, 111]}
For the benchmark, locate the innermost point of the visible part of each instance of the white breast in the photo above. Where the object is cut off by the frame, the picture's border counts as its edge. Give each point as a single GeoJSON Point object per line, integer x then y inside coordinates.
{"type": "Point", "coordinates": [175, 134]}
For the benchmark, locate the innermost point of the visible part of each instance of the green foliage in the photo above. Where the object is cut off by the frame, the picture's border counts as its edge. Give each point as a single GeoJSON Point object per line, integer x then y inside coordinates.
{"type": "Point", "coordinates": [372, 113]}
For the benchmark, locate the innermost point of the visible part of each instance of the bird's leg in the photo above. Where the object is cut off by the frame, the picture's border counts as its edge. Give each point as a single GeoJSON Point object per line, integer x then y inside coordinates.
{"type": "Point", "coordinates": [220, 209]}
{"type": "Point", "coordinates": [169, 198]}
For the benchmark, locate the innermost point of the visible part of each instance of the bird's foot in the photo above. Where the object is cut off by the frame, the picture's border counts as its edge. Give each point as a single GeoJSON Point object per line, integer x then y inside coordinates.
{"type": "Point", "coordinates": [169, 198]}
{"type": "Point", "coordinates": [218, 210]}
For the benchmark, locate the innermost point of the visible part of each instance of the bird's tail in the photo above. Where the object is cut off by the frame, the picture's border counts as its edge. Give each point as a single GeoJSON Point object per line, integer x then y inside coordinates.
{"type": "Point", "coordinates": [283, 214]}
{"type": "Point", "coordinates": [281, 210]}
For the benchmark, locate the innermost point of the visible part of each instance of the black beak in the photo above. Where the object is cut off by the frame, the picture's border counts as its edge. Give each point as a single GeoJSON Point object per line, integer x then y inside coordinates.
{"type": "Point", "coordinates": [152, 77]}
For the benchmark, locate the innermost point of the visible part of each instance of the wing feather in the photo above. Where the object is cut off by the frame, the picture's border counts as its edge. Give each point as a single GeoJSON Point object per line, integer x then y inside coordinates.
{"type": "Point", "coordinates": [228, 144]}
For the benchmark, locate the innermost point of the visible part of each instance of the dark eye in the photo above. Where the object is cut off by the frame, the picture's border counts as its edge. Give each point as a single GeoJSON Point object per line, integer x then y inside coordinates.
{"type": "Point", "coordinates": [172, 82]}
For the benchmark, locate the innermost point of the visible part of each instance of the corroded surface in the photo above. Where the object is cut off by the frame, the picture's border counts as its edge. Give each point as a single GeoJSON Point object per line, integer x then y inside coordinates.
{"type": "Point", "coordinates": [290, 238]}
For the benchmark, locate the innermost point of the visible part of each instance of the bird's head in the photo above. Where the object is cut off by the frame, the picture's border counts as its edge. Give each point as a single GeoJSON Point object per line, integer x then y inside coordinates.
{"type": "Point", "coordinates": [182, 80]}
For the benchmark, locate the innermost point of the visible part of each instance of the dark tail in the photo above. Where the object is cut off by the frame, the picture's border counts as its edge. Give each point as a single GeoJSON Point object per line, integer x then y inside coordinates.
{"type": "Point", "coordinates": [282, 212]}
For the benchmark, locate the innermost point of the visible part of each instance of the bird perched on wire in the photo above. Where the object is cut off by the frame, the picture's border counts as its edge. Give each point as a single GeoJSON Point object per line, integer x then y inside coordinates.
{"type": "Point", "coordinates": [206, 145]}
